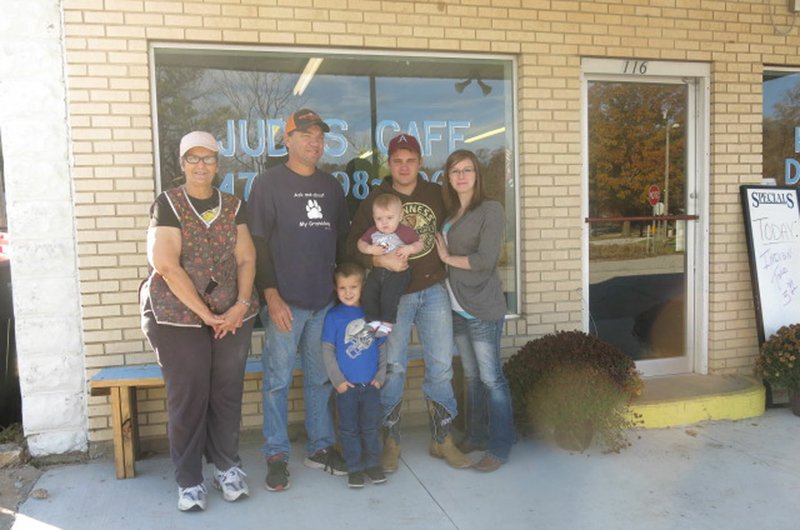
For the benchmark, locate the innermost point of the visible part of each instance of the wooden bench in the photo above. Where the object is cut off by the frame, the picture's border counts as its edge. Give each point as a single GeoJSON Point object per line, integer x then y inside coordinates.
{"type": "Point", "coordinates": [121, 384]}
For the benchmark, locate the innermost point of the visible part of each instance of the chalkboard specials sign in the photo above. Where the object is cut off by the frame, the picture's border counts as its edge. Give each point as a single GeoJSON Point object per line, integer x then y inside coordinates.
{"type": "Point", "coordinates": [772, 224]}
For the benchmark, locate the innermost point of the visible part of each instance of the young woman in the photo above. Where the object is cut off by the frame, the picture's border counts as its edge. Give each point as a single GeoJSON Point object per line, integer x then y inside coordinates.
{"type": "Point", "coordinates": [470, 245]}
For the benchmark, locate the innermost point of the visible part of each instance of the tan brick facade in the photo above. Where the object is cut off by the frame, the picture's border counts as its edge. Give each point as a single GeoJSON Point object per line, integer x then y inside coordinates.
{"type": "Point", "coordinates": [112, 136]}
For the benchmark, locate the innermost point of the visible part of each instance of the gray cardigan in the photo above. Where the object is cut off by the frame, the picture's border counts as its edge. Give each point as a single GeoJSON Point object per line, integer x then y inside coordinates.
{"type": "Point", "coordinates": [478, 235]}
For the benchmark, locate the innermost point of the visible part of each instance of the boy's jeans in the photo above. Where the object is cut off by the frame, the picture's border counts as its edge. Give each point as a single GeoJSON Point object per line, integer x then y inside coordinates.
{"type": "Point", "coordinates": [359, 415]}
{"type": "Point", "coordinates": [488, 397]}
{"type": "Point", "coordinates": [278, 360]}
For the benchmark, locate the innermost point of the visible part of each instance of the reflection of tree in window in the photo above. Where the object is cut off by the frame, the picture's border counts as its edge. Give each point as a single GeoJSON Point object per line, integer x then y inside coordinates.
{"type": "Point", "coordinates": [496, 172]}
{"type": "Point", "coordinates": [254, 96]}
{"type": "Point", "coordinates": [627, 133]}
{"type": "Point", "coordinates": [175, 87]}
{"type": "Point", "coordinates": [192, 99]}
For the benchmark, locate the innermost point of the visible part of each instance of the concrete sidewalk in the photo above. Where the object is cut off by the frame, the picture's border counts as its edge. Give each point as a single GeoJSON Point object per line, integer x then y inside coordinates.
{"type": "Point", "coordinates": [723, 474]}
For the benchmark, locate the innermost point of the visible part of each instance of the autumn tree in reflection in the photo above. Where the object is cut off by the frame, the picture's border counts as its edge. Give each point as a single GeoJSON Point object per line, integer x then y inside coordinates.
{"type": "Point", "coordinates": [628, 125]}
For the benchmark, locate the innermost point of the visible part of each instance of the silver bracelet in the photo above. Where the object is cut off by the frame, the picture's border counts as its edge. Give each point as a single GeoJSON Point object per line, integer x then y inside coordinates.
{"type": "Point", "coordinates": [243, 302]}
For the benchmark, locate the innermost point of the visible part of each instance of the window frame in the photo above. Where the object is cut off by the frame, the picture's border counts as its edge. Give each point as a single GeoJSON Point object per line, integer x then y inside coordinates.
{"type": "Point", "coordinates": [515, 310]}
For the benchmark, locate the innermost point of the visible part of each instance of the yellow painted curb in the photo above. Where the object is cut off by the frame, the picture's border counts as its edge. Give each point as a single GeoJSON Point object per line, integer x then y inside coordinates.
{"type": "Point", "coordinates": [746, 403]}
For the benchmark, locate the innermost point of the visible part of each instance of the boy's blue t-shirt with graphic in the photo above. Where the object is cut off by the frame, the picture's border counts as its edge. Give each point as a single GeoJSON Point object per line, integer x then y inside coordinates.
{"type": "Point", "coordinates": [356, 347]}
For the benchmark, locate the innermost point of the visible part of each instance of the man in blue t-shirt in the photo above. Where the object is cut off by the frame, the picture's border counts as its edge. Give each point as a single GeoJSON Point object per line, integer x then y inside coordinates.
{"type": "Point", "coordinates": [297, 214]}
{"type": "Point", "coordinates": [356, 364]}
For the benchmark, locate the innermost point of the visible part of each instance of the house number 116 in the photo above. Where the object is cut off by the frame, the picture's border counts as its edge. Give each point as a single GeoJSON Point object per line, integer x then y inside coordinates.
{"type": "Point", "coordinates": [635, 67]}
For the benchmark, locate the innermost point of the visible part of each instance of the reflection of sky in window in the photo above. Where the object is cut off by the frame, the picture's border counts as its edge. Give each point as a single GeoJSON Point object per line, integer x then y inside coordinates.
{"type": "Point", "coordinates": [344, 100]}
{"type": "Point", "coordinates": [411, 102]}
{"type": "Point", "coordinates": [776, 89]}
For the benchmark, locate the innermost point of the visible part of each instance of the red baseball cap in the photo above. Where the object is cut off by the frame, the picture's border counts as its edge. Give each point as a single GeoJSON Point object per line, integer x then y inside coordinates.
{"type": "Point", "coordinates": [304, 119]}
{"type": "Point", "coordinates": [404, 141]}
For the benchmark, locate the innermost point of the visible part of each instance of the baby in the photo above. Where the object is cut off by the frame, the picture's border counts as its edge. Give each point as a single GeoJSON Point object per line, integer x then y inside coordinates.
{"type": "Point", "coordinates": [384, 288]}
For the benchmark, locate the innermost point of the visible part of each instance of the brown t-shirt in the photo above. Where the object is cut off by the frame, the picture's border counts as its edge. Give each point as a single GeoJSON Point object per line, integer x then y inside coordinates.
{"type": "Point", "coordinates": [423, 210]}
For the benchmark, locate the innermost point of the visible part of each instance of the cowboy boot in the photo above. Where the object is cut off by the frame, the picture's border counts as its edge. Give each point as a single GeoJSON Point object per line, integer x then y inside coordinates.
{"type": "Point", "coordinates": [442, 445]}
{"type": "Point", "coordinates": [390, 457]}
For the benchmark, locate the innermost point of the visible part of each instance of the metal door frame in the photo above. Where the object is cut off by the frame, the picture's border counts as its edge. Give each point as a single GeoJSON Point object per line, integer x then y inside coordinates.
{"type": "Point", "coordinates": [697, 77]}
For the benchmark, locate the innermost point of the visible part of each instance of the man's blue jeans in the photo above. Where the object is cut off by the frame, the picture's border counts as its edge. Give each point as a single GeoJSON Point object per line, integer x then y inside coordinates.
{"type": "Point", "coordinates": [278, 360]}
{"type": "Point", "coordinates": [488, 398]}
{"type": "Point", "coordinates": [359, 417]}
{"type": "Point", "coordinates": [429, 310]}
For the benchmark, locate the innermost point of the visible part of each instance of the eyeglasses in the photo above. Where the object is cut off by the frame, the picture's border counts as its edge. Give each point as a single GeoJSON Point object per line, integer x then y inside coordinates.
{"type": "Point", "coordinates": [207, 160]}
{"type": "Point", "coordinates": [465, 171]}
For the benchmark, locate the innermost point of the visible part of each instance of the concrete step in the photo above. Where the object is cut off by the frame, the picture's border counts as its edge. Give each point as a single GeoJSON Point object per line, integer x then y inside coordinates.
{"type": "Point", "coordinates": [672, 400]}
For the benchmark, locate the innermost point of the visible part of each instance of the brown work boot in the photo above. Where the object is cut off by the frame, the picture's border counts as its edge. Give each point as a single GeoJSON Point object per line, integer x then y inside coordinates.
{"type": "Point", "coordinates": [442, 445]}
{"type": "Point", "coordinates": [488, 463]}
{"type": "Point", "coordinates": [447, 449]}
{"type": "Point", "coordinates": [390, 457]}
{"type": "Point", "coordinates": [467, 447]}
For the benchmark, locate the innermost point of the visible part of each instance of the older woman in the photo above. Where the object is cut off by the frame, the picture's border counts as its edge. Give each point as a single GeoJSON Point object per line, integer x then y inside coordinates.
{"type": "Point", "coordinates": [470, 247]}
{"type": "Point", "coordinates": [198, 306]}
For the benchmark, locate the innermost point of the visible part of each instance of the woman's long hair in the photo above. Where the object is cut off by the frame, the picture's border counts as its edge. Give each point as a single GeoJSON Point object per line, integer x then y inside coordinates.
{"type": "Point", "coordinates": [449, 195]}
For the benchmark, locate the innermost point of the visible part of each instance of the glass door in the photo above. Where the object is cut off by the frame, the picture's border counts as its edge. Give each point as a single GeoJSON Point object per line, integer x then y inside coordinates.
{"type": "Point", "coordinates": [641, 183]}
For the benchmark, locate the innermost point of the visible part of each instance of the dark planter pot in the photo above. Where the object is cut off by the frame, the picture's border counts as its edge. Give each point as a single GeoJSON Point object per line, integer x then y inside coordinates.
{"type": "Point", "coordinates": [794, 403]}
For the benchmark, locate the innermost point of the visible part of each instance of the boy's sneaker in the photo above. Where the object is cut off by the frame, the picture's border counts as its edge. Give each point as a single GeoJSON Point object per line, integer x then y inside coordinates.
{"type": "Point", "coordinates": [328, 460]}
{"type": "Point", "coordinates": [376, 475]}
{"type": "Point", "coordinates": [277, 474]}
{"type": "Point", "coordinates": [355, 480]}
{"type": "Point", "coordinates": [383, 330]}
{"type": "Point", "coordinates": [192, 499]}
{"type": "Point", "coordinates": [231, 483]}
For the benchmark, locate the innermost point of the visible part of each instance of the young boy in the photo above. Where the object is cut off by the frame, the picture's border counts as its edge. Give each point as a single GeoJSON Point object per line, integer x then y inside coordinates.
{"type": "Point", "coordinates": [384, 288]}
{"type": "Point", "coordinates": [356, 364]}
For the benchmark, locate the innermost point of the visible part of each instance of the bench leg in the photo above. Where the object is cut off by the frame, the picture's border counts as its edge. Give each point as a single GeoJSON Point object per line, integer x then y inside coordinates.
{"type": "Point", "coordinates": [126, 435]}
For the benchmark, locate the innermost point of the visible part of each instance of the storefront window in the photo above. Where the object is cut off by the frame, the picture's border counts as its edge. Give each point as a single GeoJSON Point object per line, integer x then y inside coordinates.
{"type": "Point", "coordinates": [782, 126]}
{"type": "Point", "coordinates": [243, 97]}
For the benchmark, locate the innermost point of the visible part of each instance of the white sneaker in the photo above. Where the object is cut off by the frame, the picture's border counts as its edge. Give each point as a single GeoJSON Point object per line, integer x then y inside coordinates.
{"type": "Point", "coordinates": [192, 499]}
{"type": "Point", "coordinates": [231, 483]}
{"type": "Point", "coordinates": [383, 330]}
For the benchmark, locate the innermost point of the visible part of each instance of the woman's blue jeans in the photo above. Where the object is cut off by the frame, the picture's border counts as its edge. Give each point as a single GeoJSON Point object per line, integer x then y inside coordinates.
{"type": "Point", "coordinates": [489, 420]}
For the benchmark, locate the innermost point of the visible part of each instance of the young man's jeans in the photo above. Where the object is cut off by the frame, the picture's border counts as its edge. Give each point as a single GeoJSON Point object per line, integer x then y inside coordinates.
{"type": "Point", "coordinates": [488, 398]}
{"type": "Point", "coordinates": [359, 417]}
{"type": "Point", "coordinates": [278, 360]}
{"type": "Point", "coordinates": [429, 310]}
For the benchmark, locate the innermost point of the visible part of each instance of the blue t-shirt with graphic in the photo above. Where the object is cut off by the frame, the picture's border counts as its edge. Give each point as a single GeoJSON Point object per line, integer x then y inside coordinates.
{"type": "Point", "coordinates": [356, 347]}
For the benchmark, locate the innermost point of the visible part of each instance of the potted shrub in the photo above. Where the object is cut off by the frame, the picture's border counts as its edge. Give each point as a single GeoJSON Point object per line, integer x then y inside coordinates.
{"type": "Point", "coordinates": [573, 387]}
{"type": "Point", "coordinates": [778, 362]}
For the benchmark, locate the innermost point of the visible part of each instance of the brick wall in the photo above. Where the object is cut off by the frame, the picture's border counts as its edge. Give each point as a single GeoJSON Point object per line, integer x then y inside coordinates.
{"type": "Point", "coordinates": [111, 123]}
